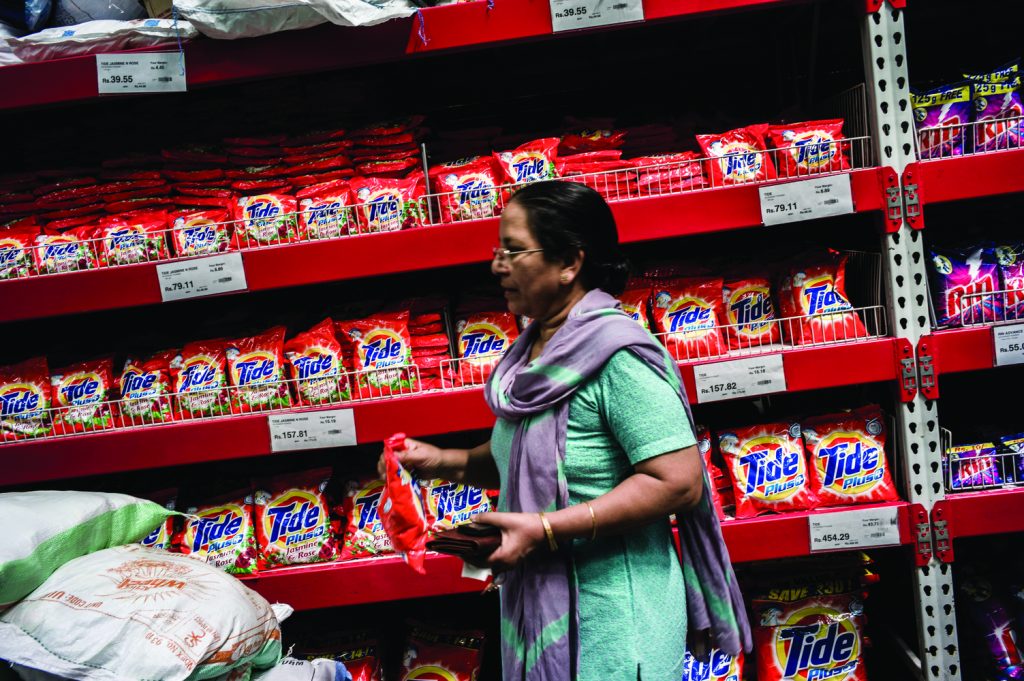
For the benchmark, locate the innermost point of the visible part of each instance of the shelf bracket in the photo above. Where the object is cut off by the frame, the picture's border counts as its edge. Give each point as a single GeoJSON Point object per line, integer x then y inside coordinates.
{"type": "Point", "coordinates": [912, 198]}
{"type": "Point", "coordinates": [906, 368]}
{"type": "Point", "coordinates": [893, 199]}
{"type": "Point", "coordinates": [928, 380]}
{"type": "Point", "coordinates": [922, 529]}
{"type": "Point", "coordinates": [941, 531]}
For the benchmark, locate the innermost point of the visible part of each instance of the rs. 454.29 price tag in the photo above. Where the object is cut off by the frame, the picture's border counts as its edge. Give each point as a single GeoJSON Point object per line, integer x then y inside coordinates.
{"type": "Point", "coordinates": [859, 528]}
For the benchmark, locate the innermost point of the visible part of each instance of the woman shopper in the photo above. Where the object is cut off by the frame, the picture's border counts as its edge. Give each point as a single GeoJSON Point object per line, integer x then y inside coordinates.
{"type": "Point", "coordinates": [593, 449]}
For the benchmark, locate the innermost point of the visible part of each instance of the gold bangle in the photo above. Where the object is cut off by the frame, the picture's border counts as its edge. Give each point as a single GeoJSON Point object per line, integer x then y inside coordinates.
{"type": "Point", "coordinates": [552, 544]}
{"type": "Point", "coordinates": [593, 521]}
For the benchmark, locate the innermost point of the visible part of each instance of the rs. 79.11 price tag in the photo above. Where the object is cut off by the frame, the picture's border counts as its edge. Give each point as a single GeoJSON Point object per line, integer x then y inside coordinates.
{"type": "Point", "coordinates": [818, 197]}
{"type": "Point", "coordinates": [201, 277]}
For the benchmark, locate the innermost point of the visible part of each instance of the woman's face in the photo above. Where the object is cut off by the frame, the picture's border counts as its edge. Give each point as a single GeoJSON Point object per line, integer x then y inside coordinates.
{"type": "Point", "coordinates": [532, 284]}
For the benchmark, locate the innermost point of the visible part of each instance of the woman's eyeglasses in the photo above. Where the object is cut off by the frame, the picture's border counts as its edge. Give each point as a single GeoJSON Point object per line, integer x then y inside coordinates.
{"type": "Point", "coordinates": [505, 255]}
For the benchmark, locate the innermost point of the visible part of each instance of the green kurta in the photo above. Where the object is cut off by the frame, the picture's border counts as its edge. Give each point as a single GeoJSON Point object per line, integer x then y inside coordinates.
{"type": "Point", "coordinates": [632, 599]}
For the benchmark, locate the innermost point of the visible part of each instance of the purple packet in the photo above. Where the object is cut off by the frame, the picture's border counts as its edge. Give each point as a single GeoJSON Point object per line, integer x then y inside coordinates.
{"type": "Point", "coordinates": [997, 114]}
{"type": "Point", "coordinates": [994, 625]}
{"type": "Point", "coordinates": [1014, 443]}
{"type": "Point", "coordinates": [1007, 71]}
{"type": "Point", "coordinates": [969, 272]}
{"type": "Point", "coordinates": [1010, 258]}
{"type": "Point", "coordinates": [973, 466]}
{"type": "Point", "coordinates": [940, 116]}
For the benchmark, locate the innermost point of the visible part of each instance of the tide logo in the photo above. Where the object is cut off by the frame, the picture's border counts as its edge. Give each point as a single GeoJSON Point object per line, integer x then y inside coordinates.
{"type": "Point", "coordinates": [197, 236]}
{"type": "Point", "coordinates": [771, 468]}
{"type": "Point", "coordinates": [817, 642]}
{"type": "Point", "coordinates": [60, 248]}
{"type": "Point", "coordinates": [528, 166]}
{"type": "Point", "coordinates": [260, 210]}
{"type": "Point", "coordinates": [290, 516]}
{"type": "Point", "coordinates": [848, 462]}
{"type": "Point", "coordinates": [955, 303]}
{"type": "Point", "coordinates": [157, 539]}
{"type": "Point", "coordinates": [739, 161]}
{"type": "Point", "coordinates": [20, 400]}
{"type": "Point", "coordinates": [689, 315]}
{"type": "Point", "coordinates": [818, 295]}
{"type": "Point", "coordinates": [80, 388]}
{"type": "Point", "coordinates": [136, 383]}
{"type": "Point", "coordinates": [475, 189]}
{"type": "Point", "coordinates": [364, 505]}
{"type": "Point", "coordinates": [382, 348]}
{"type": "Point", "coordinates": [720, 667]}
{"type": "Point", "coordinates": [481, 338]}
{"type": "Point", "coordinates": [125, 238]}
{"type": "Point", "coordinates": [811, 150]}
{"type": "Point", "coordinates": [633, 311]}
{"type": "Point", "coordinates": [315, 362]}
{"type": "Point", "coordinates": [254, 368]}
{"type": "Point", "coordinates": [452, 499]}
{"type": "Point", "coordinates": [750, 309]}
{"type": "Point", "coordinates": [325, 212]}
{"type": "Point", "coordinates": [11, 250]}
{"type": "Point", "coordinates": [217, 528]}
{"type": "Point", "coordinates": [430, 673]}
{"type": "Point", "coordinates": [199, 372]}
{"type": "Point", "coordinates": [383, 209]}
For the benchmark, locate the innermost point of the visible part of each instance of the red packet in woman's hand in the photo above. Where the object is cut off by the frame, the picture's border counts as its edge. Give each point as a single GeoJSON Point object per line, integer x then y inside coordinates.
{"type": "Point", "coordinates": [401, 507]}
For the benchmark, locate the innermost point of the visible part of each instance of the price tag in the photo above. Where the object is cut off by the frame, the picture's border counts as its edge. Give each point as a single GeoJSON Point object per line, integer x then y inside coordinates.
{"type": "Point", "coordinates": [1008, 343]}
{"type": "Point", "coordinates": [201, 277]}
{"type": "Point", "coordinates": [806, 200]}
{"type": "Point", "coordinates": [313, 430]}
{"type": "Point", "coordinates": [569, 15]}
{"type": "Point", "coordinates": [142, 72]}
{"type": "Point", "coordinates": [746, 377]}
{"type": "Point", "coordinates": [861, 528]}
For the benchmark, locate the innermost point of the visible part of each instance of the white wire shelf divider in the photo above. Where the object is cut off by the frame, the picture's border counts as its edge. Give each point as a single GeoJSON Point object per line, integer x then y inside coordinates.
{"type": "Point", "coordinates": [969, 139]}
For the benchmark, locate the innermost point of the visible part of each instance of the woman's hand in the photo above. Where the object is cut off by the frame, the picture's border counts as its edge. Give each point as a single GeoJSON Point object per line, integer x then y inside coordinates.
{"type": "Point", "coordinates": [426, 460]}
{"type": "Point", "coordinates": [521, 535]}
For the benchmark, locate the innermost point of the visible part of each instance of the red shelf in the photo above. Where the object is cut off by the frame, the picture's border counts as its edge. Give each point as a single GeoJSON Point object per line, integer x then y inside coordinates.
{"type": "Point", "coordinates": [974, 514]}
{"type": "Point", "coordinates": [218, 62]}
{"type": "Point", "coordinates": [374, 580]}
{"type": "Point", "coordinates": [369, 255]}
{"type": "Point", "coordinates": [968, 177]}
{"type": "Point", "coordinates": [236, 437]}
{"type": "Point", "coordinates": [967, 349]}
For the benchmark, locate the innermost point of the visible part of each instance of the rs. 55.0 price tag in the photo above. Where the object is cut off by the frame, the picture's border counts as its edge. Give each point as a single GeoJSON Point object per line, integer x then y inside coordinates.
{"type": "Point", "coordinates": [1008, 344]}
{"type": "Point", "coordinates": [746, 377]}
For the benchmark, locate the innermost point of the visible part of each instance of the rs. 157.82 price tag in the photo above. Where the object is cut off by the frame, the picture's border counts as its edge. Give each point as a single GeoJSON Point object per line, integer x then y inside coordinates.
{"type": "Point", "coordinates": [746, 377]}
{"type": "Point", "coordinates": [312, 430]}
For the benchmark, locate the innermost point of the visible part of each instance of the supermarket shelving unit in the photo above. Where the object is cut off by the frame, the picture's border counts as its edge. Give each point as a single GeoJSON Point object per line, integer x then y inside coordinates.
{"type": "Point", "coordinates": [909, 361]}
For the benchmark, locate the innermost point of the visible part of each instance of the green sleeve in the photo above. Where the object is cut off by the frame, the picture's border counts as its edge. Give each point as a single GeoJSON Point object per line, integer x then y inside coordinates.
{"type": "Point", "coordinates": [642, 410]}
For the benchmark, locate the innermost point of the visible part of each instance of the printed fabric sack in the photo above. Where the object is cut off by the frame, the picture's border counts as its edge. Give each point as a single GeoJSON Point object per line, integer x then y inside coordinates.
{"type": "Point", "coordinates": [47, 529]}
{"type": "Point", "coordinates": [132, 612]}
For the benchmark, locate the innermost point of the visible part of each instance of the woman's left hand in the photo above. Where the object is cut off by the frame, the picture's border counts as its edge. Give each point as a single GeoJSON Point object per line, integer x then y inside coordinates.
{"type": "Point", "coordinates": [521, 534]}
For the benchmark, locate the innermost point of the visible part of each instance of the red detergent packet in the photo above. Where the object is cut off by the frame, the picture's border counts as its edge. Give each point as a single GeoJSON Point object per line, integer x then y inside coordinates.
{"type": "Point", "coordinates": [398, 153]}
{"type": "Point", "coordinates": [768, 469]}
{"type": "Point", "coordinates": [66, 183]}
{"type": "Point", "coordinates": [257, 172]}
{"type": "Point", "coordinates": [451, 504]}
{"type": "Point", "coordinates": [265, 219]}
{"type": "Point", "coordinates": [386, 167]}
{"type": "Point", "coordinates": [847, 458]}
{"type": "Point", "coordinates": [738, 156]}
{"type": "Point", "coordinates": [530, 162]}
{"type": "Point", "coordinates": [387, 205]}
{"type": "Point", "coordinates": [314, 137]}
{"type": "Point", "coordinates": [816, 293]}
{"type": "Point", "coordinates": [669, 173]}
{"type": "Point", "coordinates": [635, 300]}
{"type": "Point", "coordinates": [749, 313]}
{"type": "Point", "coordinates": [325, 211]}
{"type": "Point", "coordinates": [126, 240]}
{"type": "Point", "coordinates": [688, 312]}
{"type": "Point", "coordinates": [222, 533]}
{"type": "Point", "coordinates": [264, 141]}
{"type": "Point", "coordinates": [390, 127]}
{"type": "Point", "coordinates": [445, 655]}
{"type": "Point", "coordinates": [591, 140]}
{"type": "Point", "coordinates": [293, 523]}
{"type": "Point", "coordinates": [364, 534]}
{"type": "Point", "coordinates": [200, 379]}
{"type": "Point", "coordinates": [482, 339]}
{"type": "Point", "coordinates": [70, 251]}
{"type": "Point", "coordinates": [358, 651]}
{"type": "Point", "coordinates": [16, 251]}
{"type": "Point", "coordinates": [380, 349]}
{"type": "Point", "coordinates": [25, 399]}
{"type": "Point", "coordinates": [317, 366]}
{"type": "Point", "coordinates": [809, 148]}
{"type": "Point", "coordinates": [703, 436]}
{"type": "Point", "coordinates": [163, 537]}
{"type": "Point", "coordinates": [257, 372]}
{"type": "Point", "coordinates": [204, 190]}
{"type": "Point", "coordinates": [146, 389]}
{"type": "Point", "coordinates": [401, 507]}
{"type": "Point", "coordinates": [202, 232]}
{"type": "Point", "coordinates": [204, 175]}
{"type": "Point", "coordinates": [815, 638]}
{"type": "Point", "coordinates": [468, 191]}
{"type": "Point", "coordinates": [82, 396]}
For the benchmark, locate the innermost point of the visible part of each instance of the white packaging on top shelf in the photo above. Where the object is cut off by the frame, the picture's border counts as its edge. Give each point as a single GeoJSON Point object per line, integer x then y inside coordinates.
{"type": "Point", "coordinates": [320, 669]}
{"type": "Point", "coordinates": [362, 12]}
{"type": "Point", "coordinates": [7, 55]}
{"type": "Point", "coordinates": [98, 37]}
{"type": "Point", "coordinates": [230, 19]}
{"type": "Point", "coordinates": [132, 612]}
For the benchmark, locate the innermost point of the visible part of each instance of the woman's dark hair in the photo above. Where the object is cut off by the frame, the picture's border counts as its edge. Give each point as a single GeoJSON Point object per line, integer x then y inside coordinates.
{"type": "Point", "coordinates": [568, 217]}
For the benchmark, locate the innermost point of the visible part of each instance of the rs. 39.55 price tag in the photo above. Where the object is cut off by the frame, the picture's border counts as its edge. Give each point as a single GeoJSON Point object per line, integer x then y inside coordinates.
{"type": "Point", "coordinates": [313, 430]}
{"type": "Point", "coordinates": [818, 197]}
{"type": "Point", "coordinates": [746, 377]}
{"type": "Point", "coordinates": [201, 277]}
{"type": "Point", "coordinates": [860, 528]}
{"type": "Point", "coordinates": [140, 73]}
{"type": "Point", "coordinates": [1008, 344]}
{"type": "Point", "coordinates": [568, 15]}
